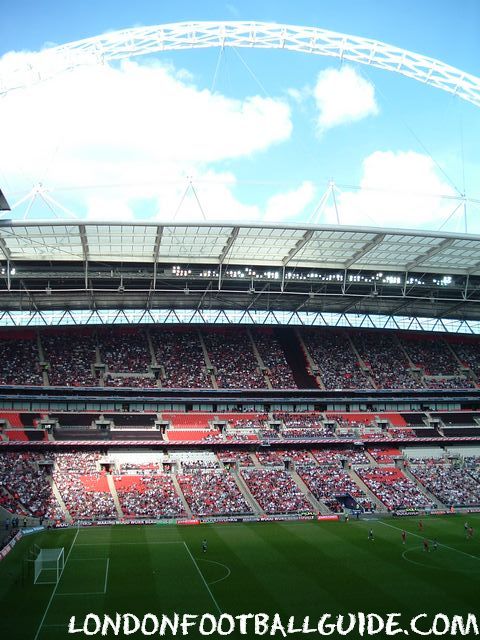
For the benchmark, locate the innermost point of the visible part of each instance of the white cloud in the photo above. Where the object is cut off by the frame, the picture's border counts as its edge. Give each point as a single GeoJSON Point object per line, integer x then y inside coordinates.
{"type": "Point", "coordinates": [398, 189]}
{"type": "Point", "coordinates": [343, 96]}
{"type": "Point", "coordinates": [288, 205]}
{"type": "Point", "coordinates": [298, 95]}
{"type": "Point", "coordinates": [104, 208]}
{"type": "Point", "coordinates": [128, 133]}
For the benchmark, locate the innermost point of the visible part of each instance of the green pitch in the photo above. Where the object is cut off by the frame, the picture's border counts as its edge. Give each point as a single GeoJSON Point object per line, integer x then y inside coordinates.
{"type": "Point", "coordinates": [295, 569]}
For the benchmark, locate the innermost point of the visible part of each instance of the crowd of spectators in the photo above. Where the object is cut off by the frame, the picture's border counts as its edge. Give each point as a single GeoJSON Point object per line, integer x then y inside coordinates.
{"type": "Point", "coordinates": [275, 491]}
{"type": "Point", "coordinates": [144, 491]}
{"type": "Point", "coordinates": [137, 381]}
{"type": "Point", "coordinates": [138, 469]}
{"type": "Point", "coordinates": [151, 495]}
{"type": "Point", "coordinates": [303, 425]}
{"type": "Point", "coordinates": [374, 436]}
{"type": "Point", "coordinates": [299, 456]}
{"type": "Point", "coordinates": [472, 465]}
{"type": "Point", "coordinates": [271, 458]}
{"type": "Point", "coordinates": [393, 488]}
{"type": "Point", "coordinates": [70, 358]}
{"type": "Point", "coordinates": [273, 356]}
{"type": "Point", "coordinates": [306, 432]}
{"type": "Point", "coordinates": [360, 426]}
{"type": "Point", "coordinates": [78, 462]}
{"type": "Point", "coordinates": [432, 356]}
{"type": "Point", "coordinates": [181, 356]}
{"type": "Point", "coordinates": [452, 485]}
{"type": "Point", "coordinates": [388, 364]}
{"type": "Point", "coordinates": [399, 433]}
{"type": "Point", "coordinates": [9, 503]}
{"type": "Point", "coordinates": [210, 493]}
{"type": "Point", "coordinates": [234, 360]}
{"type": "Point", "coordinates": [259, 422]}
{"type": "Point", "coordinates": [214, 436]}
{"type": "Point", "coordinates": [247, 429]}
{"type": "Point", "coordinates": [27, 484]}
{"type": "Point", "coordinates": [82, 503]}
{"type": "Point", "coordinates": [469, 354]}
{"type": "Point", "coordinates": [243, 458]}
{"type": "Point", "coordinates": [384, 456]}
{"type": "Point", "coordinates": [20, 362]}
{"type": "Point", "coordinates": [330, 483]}
{"type": "Point", "coordinates": [335, 456]}
{"type": "Point", "coordinates": [343, 422]}
{"type": "Point", "coordinates": [72, 473]}
{"type": "Point", "coordinates": [268, 433]}
{"type": "Point", "coordinates": [241, 436]}
{"type": "Point", "coordinates": [124, 351]}
{"type": "Point", "coordinates": [452, 382]}
{"type": "Point", "coordinates": [391, 361]}
{"type": "Point", "coordinates": [190, 466]}
{"type": "Point", "coordinates": [335, 360]}
{"type": "Point", "coordinates": [277, 458]}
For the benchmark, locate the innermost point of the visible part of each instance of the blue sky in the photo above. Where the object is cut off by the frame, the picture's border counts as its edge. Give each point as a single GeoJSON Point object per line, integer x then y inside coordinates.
{"type": "Point", "coordinates": [245, 134]}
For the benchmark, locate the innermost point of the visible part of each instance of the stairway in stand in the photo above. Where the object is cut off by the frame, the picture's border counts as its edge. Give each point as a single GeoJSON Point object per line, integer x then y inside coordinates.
{"type": "Point", "coordinates": [295, 357]}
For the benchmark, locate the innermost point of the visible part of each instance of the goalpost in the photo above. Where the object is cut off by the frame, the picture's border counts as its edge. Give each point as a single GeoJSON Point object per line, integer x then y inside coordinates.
{"type": "Point", "coordinates": [49, 565]}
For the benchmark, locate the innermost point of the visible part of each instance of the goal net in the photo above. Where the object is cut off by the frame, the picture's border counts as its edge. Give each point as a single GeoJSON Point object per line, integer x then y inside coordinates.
{"type": "Point", "coordinates": [49, 565]}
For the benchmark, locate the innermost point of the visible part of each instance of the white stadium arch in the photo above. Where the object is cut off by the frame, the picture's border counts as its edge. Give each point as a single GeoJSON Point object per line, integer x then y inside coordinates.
{"type": "Point", "coordinates": [19, 71]}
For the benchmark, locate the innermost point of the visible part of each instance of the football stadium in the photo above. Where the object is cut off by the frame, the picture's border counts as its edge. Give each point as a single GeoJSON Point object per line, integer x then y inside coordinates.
{"type": "Point", "coordinates": [237, 428]}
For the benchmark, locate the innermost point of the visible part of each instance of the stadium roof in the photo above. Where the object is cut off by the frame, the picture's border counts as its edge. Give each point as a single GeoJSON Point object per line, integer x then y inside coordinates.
{"type": "Point", "coordinates": [106, 265]}
{"type": "Point", "coordinates": [318, 247]}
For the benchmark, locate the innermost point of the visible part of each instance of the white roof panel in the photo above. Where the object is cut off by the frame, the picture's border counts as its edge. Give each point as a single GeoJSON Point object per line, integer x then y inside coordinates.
{"type": "Point", "coordinates": [335, 247]}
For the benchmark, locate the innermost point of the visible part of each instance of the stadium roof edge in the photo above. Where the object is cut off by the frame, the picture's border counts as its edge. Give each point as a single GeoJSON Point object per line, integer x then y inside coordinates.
{"type": "Point", "coordinates": [239, 223]}
{"type": "Point", "coordinates": [327, 247]}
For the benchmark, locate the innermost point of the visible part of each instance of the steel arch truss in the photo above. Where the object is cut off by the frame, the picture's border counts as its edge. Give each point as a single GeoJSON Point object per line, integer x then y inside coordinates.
{"type": "Point", "coordinates": [127, 43]}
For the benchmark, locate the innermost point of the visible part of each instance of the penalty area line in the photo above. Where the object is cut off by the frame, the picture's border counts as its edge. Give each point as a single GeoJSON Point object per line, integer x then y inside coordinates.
{"type": "Point", "coordinates": [416, 535]}
{"type": "Point", "coordinates": [120, 544]}
{"type": "Point", "coordinates": [106, 576]}
{"type": "Point", "coordinates": [89, 593]}
{"type": "Point", "coordinates": [202, 577]}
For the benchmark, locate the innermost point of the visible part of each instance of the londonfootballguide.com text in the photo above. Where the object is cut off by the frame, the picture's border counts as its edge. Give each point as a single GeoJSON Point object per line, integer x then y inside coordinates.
{"type": "Point", "coordinates": [263, 624]}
